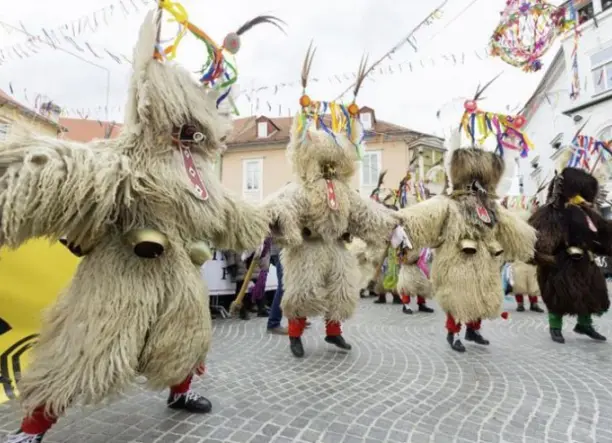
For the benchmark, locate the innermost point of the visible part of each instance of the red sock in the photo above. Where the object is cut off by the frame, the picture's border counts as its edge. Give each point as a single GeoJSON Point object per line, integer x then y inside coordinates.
{"type": "Point", "coordinates": [421, 300]}
{"type": "Point", "coordinates": [533, 299]}
{"type": "Point", "coordinates": [452, 326]}
{"type": "Point", "coordinates": [519, 298]}
{"type": "Point", "coordinates": [181, 388]}
{"type": "Point", "coordinates": [38, 422]}
{"type": "Point", "coordinates": [333, 328]}
{"type": "Point", "coordinates": [475, 325]}
{"type": "Point", "coordinates": [405, 299]}
{"type": "Point", "coordinates": [296, 327]}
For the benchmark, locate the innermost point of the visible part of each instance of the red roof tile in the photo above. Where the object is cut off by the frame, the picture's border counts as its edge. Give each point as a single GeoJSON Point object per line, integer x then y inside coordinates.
{"type": "Point", "coordinates": [85, 130]}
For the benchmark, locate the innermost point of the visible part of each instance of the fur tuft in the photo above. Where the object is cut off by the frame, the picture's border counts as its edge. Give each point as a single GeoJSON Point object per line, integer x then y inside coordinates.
{"type": "Point", "coordinates": [469, 164]}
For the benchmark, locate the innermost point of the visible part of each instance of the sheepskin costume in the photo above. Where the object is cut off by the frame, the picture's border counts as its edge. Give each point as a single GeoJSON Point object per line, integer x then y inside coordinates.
{"type": "Point", "coordinates": [524, 279]}
{"type": "Point", "coordinates": [320, 212]}
{"type": "Point", "coordinates": [472, 235]}
{"type": "Point", "coordinates": [570, 232]}
{"type": "Point", "coordinates": [142, 208]}
{"type": "Point", "coordinates": [414, 265]}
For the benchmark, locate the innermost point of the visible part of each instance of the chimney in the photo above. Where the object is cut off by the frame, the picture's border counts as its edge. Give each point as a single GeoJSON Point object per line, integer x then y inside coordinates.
{"type": "Point", "coordinates": [51, 111]}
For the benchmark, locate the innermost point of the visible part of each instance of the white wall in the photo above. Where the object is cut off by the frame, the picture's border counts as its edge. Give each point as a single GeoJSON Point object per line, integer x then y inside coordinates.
{"type": "Point", "coordinates": [548, 120]}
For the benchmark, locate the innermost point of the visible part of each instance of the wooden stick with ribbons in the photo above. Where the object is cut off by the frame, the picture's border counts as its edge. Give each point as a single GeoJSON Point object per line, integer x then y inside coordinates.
{"type": "Point", "coordinates": [237, 304]}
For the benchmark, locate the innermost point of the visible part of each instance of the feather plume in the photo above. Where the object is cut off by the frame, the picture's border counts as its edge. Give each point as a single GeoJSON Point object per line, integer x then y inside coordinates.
{"type": "Point", "coordinates": [307, 64]}
{"type": "Point", "coordinates": [361, 74]}
{"type": "Point", "coordinates": [259, 20]}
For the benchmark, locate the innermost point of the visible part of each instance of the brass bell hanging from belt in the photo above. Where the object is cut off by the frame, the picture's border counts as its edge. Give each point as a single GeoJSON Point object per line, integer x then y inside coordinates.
{"type": "Point", "coordinates": [147, 243]}
{"type": "Point", "coordinates": [468, 246]}
{"type": "Point", "coordinates": [575, 253]}
{"type": "Point", "coordinates": [495, 248]}
{"type": "Point", "coordinates": [199, 253]}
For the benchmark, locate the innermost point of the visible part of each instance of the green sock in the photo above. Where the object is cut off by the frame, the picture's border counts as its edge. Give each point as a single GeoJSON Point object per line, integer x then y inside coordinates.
{"type": "Point", "coordinates": [585, 320]}
{"type": "Point", "coordinates": [555, 321]}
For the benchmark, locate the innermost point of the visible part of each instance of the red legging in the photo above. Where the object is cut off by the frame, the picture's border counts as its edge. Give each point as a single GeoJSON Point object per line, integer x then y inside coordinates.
{"type": "Point", "coordinates": [406, 299]}
{"type": "Point", "coordinates": [297, 326]}
{"type": "Point", "coordinates": [455, 328]}
{"type": "Point", "coordinates": [520, 298]}
{"type": "Point", "coordinates": [39, 422]}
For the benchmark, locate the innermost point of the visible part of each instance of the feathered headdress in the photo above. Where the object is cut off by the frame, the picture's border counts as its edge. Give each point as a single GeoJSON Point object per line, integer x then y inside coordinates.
{"type": "Point", "coordinates": [467, 166]}
{"type": "Point", "coordinates": [343, 119]}
{"type": "Point", "coordinates": [164, 95]}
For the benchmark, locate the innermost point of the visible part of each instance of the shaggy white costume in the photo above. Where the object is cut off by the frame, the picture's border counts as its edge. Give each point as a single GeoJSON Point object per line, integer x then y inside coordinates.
{"type": "Point", "coordinates": [471, 234]}
{"type": "Point", "coordinates": [524, 275]}
{"type": "Point", "coordinates": [139, 206]}
{"type": "Point", "coordinates": [319, 214]}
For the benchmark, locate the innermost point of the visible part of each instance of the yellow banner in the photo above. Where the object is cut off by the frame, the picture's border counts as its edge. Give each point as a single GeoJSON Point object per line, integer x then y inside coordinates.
{"type": "Point", "coordinates": [30, 279]}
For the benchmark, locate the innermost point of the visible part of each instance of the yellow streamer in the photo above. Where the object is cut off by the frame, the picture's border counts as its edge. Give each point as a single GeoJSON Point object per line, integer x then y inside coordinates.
{"type": "Point", "coordinates": [178, 11]}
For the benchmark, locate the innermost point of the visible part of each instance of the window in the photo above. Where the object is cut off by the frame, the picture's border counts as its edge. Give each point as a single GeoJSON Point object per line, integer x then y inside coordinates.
{"type": "Point", "coordinates": [262, 129]}
{"type": "Point", "coordinates": [605, 4]}
{"type": "Point", "coordinates": [585, 10]}
{"type": "Point", "coordinates": [366, 120]}
{"type": "Point", "coordinates": [252, 186]}
{"type": "Point", "coordinates": [5, 130]}
{"type": "Point", "coordinates": [601, 69]}
{"type": "Point", "coordinates": [370, 169]}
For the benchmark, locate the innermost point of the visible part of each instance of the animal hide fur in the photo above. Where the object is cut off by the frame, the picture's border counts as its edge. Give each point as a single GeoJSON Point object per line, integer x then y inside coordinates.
{"type": "Point", "coordinates": [321, 274]}
{"type": "Point", "coordinates": [411, 280]}
{"type": "Point", "coordinates": [122, 315]}
{"type": "Point", "coordinates": [570, 285]}
{"type": "Point", "coordinates": [468, 286]}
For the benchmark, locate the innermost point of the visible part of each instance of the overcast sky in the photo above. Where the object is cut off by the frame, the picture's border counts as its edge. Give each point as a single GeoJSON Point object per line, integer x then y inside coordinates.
{"type": "Point", "coordinates": [342, 30]}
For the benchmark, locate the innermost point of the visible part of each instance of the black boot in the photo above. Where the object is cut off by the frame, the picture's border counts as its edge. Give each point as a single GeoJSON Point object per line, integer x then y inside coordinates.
{"type": "Point", "coordinates": [382, 298]}
{"type": "Point", "coordinates": [424, 308]}
{"type": "Point", "coordinates": [589, 331]}
{"type": "Point", "coordinates": [454, 342]}
{"type": "Point", "coordinates": [338, 340]}
{"type": "Point", "coordinates": [520, 307]}
{"type": "Point", "coordinates": [22, 437]}
{"type": "Point", "coordinates": [243, 314]}
{"type": "Point", "coordinates": [262, 309]}
{"type": "Point", "coordinates": [407, 310]}
{"type": "Point", "coordinates": [370, 288]}
{"type": "Point", "coordinates": [396, 299]}
{"type": "Point", "coordinates": [556, 335]}
{"type": "Point", "coordinates": [535, 308]}
{"type": "Point", "coordinates": [190, 402]}
{"type": "Point", "coordinates": [297, 349]}
{"type": "Point", "coordinates": [474, 335]}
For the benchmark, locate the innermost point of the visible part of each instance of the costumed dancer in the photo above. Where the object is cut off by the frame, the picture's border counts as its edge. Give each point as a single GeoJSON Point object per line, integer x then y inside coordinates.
{"type": "Point", "coordinates": [524, 282]}
{"type": "Point", "coordinates": [471, 234]}
{"type": "Point", "coordinates": [413, 276]}
{"type": "Point", "coordinates": [385, 278]}
{"type": "Point", "coordinates": [318, 214]}
{"type": "Point", "coordinates": [142, 209]}
{"type": "Point", "coordinates": [570, 232]}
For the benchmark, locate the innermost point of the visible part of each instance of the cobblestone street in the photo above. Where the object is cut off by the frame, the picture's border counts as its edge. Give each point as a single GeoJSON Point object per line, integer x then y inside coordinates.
{"type": "Point", "coordinates": [400, 383]}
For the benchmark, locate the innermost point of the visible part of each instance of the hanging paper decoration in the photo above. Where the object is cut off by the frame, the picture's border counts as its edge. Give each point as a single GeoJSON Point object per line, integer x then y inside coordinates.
{"type": "Point", "coordinates": [587, 149]}
{"type": "Point", "coordinates": [527, 30]}
{"type": "Point", "coordinates": [479, 125]}
{"type": "Point", "coordinates": [217, 71]}
{"type": "Point", "coordinates": [575, 88]}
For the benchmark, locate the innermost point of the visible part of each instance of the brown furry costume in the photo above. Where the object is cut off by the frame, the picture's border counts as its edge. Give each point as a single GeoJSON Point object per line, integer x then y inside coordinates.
{"type": "Point", "coordinates": [472, 234]}
{"type": "Point", "coordinates": [137, 303]}
{"type": "Point", "coordinates": [570, 231]}
{"type": "Point", "coordinates": [318, 214]}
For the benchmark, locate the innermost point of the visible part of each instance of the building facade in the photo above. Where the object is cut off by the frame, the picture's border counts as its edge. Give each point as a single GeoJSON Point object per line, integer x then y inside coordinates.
{"type": "Point", "coordinates": [255, 163]}
{"type": "Point", "coordinates": [554, 117]}
{"type": "Point", "coordinates": [17, 119]}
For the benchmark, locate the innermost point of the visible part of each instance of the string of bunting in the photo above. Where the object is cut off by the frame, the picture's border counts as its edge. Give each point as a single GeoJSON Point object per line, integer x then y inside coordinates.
{"type": "Point", "coordinates": [68, 32]}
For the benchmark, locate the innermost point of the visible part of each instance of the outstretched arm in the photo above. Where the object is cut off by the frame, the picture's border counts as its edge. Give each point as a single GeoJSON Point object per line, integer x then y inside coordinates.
{"type": "Point", "coordinates": [371, 221]}
{"type": "Point", "coordinates": [56, 188]}
{"type": "Point", "coordinates": [426, 222]}
{"type": "Point", "coordinates": [515, 235]}
{"type": "Point", "coordinates": [548, 224]}
{"type": "Point", "coordinates": [283, 209]}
